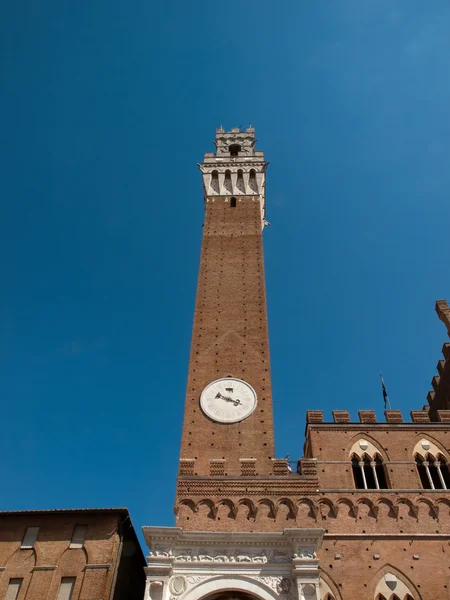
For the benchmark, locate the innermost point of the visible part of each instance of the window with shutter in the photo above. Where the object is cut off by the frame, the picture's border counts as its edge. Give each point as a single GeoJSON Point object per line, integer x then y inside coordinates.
{"type": "Point", "coordinates": [30, 537]}
{"type": "Point", "coordinates": [66, 588]}
{"type": "Point", "coordinates": [78, 536]}
{"type": "Point", "coordinates": [13, 589]}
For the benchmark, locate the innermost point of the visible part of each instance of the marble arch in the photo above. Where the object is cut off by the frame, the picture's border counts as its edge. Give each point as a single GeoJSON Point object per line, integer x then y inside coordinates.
{"type": "Point", "coordinates": [236, 583]}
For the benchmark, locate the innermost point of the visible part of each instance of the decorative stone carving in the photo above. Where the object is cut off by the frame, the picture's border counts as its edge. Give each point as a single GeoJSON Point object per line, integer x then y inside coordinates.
{"type": "Point", "coordinates": [305, 552]}
{"type": "Point", "coordinates": [281, 585]}
{"type": "Point", "coordinates": [177, 585]}
{"type": "Point", "coordinates": [161, 551]}
{"type": "Point", "coordinates": [265, 565]}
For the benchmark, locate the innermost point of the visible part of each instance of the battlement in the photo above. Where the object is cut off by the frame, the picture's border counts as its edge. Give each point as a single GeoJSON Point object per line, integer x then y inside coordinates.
{"type": "Point", "coordinates": [439, 397]}
{"type": "Point", "coordinates": [368, 417]}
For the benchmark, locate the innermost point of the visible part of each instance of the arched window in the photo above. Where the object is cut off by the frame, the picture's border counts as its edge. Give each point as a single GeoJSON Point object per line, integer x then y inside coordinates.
{"type": "Point", "coordinates": [252, 181]}
{"type": "Point", "coordinates": [423, 474]}
{"type": "Point", "coordinates": [240, 181]}
{"type": "Point", "coordinates": [215, 182]}
{"type": "Point", "coordinates": [380, 471]}
{"type": "Point", "coordinates": [445, 471]}
{"type": "Point", "coordinates": [433, 473]}
{"type": "Point", "coordinates": [234, 149]}
{"type": "Point", "coordinates": [233, 203]}
{"type": "Point", "coordinates": [358, 474]}
{"type": "Point", "coordinates": [227, 182]}
{"type": "Point", "coordinates": [369, 473]}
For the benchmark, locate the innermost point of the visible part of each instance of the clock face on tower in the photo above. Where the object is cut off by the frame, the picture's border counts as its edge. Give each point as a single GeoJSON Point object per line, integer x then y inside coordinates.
{"type": "Point", "coordinates": [228, 400]}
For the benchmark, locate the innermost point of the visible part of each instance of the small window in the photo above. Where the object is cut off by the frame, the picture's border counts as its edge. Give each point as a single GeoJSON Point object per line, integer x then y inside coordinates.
{"type": "Point", "coordinates": [30, 537]}
{"type": "Point", "coordinates": [233, 203]}
{"type": "Point", "coordinates": [13, 589]}
{"type": "Point", "coordinates": [66, 588]}
{"type": "Point", "coordinates": [78, 536]}
{"type": "Point", "coordinates": [234, 149]}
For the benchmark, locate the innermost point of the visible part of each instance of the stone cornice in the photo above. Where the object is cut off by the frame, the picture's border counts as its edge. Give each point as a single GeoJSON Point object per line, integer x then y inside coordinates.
{"type": "Point", "coordinates": [177, 535]}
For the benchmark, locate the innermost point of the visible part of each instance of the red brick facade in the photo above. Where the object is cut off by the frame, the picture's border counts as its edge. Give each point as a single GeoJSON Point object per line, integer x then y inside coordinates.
{"type": "Point", "coordinates": [230, 338]}
{"type": "Point", "coordinates": [107, 565]}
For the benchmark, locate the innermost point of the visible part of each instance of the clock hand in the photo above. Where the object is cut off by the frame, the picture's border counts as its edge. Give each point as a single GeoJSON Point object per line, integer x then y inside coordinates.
{"type": "Point", "coordinates": [228, 399]}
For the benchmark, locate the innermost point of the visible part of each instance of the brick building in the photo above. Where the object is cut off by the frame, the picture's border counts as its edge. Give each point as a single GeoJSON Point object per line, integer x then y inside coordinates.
{"type": "Point", "coordinates": [366, 514]}
{"type": "Point", "coordinates": [87, 554]}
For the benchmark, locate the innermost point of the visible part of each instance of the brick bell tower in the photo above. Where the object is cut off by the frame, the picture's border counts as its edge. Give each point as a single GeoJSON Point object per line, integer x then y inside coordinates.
{"type": "Point", "coordinates": [236, 504]}
{"type": "Point", "coordinates": [228, 410]}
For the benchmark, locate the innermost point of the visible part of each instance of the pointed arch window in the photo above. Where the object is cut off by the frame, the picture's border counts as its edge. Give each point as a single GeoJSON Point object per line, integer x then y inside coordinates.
{"type": "Point", "coordinates": [369, 473]}
{"type": "Point", "coordinates": [433, 473]}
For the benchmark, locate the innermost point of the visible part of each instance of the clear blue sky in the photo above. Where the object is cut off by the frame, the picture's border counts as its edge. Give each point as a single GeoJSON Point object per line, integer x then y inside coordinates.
{"type": "Point", "coordinates": [107, 107]}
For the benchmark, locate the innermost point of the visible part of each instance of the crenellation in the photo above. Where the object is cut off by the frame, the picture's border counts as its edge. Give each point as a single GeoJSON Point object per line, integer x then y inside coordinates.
{"type": "Point", "coordinates": [446, 350]}
{"type": "Point", "coordinates": [420, 416]}
{"type": "Point", "coordinates": [443, 416]}
{"type": "Point", "coordinates": [341, 416]}
{"type": "Point", "coordinates": [314, 416]}
{"type": "Point", "coordinates": [367, 416]}
{"type": "Point", "coordinates": [393, 416]}
{"type": "Point", "coordinates": [443, 312]}
{"type": "Point", "coordinates": [435, 382]}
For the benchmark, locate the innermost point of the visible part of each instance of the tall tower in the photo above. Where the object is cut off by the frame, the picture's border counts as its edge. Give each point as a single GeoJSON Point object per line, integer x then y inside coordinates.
{"type": "Point", "coordinates": [235, 508]}
{"type": "Point", "coordinates": [228, 409]}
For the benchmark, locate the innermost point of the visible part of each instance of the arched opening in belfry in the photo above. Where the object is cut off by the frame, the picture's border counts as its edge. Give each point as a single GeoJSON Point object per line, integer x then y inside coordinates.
{"type": "Point", "coordinates": [234, 149]}
{"type": "Point", "coordinates": [215, 181]}
{"type": "Point", "coordinates": [252, 181]}
{"type": "Point", "coordinates": [227, 182]}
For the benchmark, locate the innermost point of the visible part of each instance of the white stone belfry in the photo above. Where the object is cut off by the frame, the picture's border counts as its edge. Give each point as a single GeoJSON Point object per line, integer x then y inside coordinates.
{"type": "Point", "coordinates": [236, 168]}
{"type": "Point", "coordinates": [191, 565]}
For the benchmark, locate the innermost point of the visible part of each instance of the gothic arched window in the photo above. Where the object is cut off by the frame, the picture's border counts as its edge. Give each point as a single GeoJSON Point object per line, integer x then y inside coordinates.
{"type": "Point", "coordinates": [433, 472]}
{"type": "Point", "coordinates": [369, 473]}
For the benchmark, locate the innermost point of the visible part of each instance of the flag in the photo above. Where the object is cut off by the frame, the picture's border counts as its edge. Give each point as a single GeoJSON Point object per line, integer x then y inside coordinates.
{"type": "Point", "coordinates": [384, 390]}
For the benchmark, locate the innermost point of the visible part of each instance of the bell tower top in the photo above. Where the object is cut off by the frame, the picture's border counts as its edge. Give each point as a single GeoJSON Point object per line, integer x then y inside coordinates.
{"type": "Point", "coordinates": [236, 168]}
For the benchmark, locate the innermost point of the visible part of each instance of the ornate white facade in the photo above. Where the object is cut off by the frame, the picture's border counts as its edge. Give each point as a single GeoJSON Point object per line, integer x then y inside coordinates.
{"type": "Point", "coordinates": [270, 566]}
{"type": "Point", "coordinates": [236, 168]}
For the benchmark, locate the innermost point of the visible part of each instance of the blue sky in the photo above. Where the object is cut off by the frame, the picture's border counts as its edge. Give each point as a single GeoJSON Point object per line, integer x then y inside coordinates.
{"type": "Point", "coordinates": [107, 107]}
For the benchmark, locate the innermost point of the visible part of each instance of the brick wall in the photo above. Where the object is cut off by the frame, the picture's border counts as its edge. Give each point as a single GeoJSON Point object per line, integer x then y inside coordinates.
{"type": "Point", "coordinates": [230, 337]}
{"type": "Point", "coordinates": [95, 566]}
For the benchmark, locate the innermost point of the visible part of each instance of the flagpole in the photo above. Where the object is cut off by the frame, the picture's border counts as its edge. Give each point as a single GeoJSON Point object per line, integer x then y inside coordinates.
{"type": "Point", "coordinates": [387, 402]}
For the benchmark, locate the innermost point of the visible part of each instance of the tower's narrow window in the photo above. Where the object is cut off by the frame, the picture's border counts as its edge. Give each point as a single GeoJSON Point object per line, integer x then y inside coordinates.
{"type": "Point", "coordinates": [233, 203]}
{"type": "Point", "coordinates": [240, 181]}
{"type": "Point", "coordinates": [234, 149]}
{"type": "Point", "coordinates": [215, 182]}
{"type": "Point", "coordinates": [252, 181]}
{"type": "Point", "coordinates": [227, 182]}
